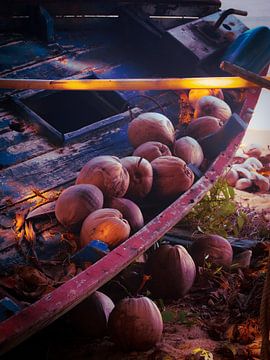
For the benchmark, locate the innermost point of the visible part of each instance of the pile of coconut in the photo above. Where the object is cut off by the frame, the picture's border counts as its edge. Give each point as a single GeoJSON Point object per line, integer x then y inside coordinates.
{"type": "Point", "coordinates": [104, 202]}
{"type": "Point", "coordinates": [250, 169]}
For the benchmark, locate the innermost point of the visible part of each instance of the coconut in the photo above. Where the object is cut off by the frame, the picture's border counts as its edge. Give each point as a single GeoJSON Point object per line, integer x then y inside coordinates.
{"type": "Point", "coordinates": [253, 163]}
{"type": "Point", "coordinates": [76, 203]}
{"type": "Point", "coordinates": [140, 175]}
{"type": "Point", "coordinates": [212, 106]}
{"type": "Point", "coordinates": [195, 95]}
{"type": "Point", "coordinates": [203, 126]}
{"type": "Point", "coordinates": [189, 150]}
{"type": "Point", "coordinates": [105, 213]}
{"type": "Point", "coordinates": [231, 177]}
{"type": "Point", "coordinates": [130, 211]}
{"type": "Point", "coordinates": [171, 177]}
{"type": "Point", "coordinates": [90, 317]}
{"type": "Point", "coordinates": [211, 248]}
{"type": "Point", "coordinates": [150, 126]}
{"type": "Point", "coordinates": [135, 324]}
{"type": "Point", "coordinates": [262, 182]}
{"type": "Point", "coordinates": [152, 150]}
{"type": "Point", "coordinates": [243, 184]}
{"type": "Point", "coordinates": [242, 171]}
{"type": "Point", "coordinates": [111, 230]}
{"type": "Point", "coordinates": [107, 173]}
{"type": "Point", "coordinates": [253, 150]}
{"type": "Point", "coordinates": [172, 272]}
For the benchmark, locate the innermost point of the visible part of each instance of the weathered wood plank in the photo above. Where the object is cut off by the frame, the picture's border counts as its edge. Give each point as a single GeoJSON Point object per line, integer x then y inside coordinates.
{"type": "Point", "coordinates": [7, 216]}
{"type": "Point", "coordinates": [29, 147]}
{"type": "Point", "coordinates": [47, 171]}
{"type": "Point", "coordinates": [238, 245]}
{"type": "Point", "coordinates": [168, 102]}
{"type": "Point", "coordinates": [53, 168]}
{"type": "Point", "coordinates": [14, 55]}
{"type": "Point", "coordinates": [18, 147]}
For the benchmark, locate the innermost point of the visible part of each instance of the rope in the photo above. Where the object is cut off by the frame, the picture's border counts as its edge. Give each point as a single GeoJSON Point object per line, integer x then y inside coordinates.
{"type": "Point", "coordinates": [265, 315]}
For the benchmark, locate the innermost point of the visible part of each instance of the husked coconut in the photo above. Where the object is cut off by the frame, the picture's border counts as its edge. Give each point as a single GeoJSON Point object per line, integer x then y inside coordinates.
{"type": "Point", "coordinates": [105, 213]}
{"type": "Point", "coordinates": [107, 173]}
{"type": "Point", "coordinates": [262, 182]}
{"type": "Point", "coordinates": [212, 106]}
{"type": "Point", "coordinates": [254, 163]}
{"type": "Point", "coordinates": [90, 317]}
{"type": "Point", "coordinates": [172, 272]}
{"type": "Point", "coordinates": [231, 177]}
{"type": "Point", "coordinates": [189, 150]}
{"type": "Point", "coordinates": [150, 126]}
{"type": "Point", "coordinates": [203, 126]}
{"type": "Point", "coordinates": [211, 248]}
{"type": "Point", "coordinates": [140, 176]}
{"type": "Point", "coordinates": [152, 150]}
{"type": "Point", "coordinates": [171, 177]}
{"type": "Point", "coordinates": [265, 159]}
{"type": "Point", "coordinates": [239, 156]}
{"type": "Point", "coordinates": [242, 171]}
{"type": "Point", "coordinates": [248, 167]}
{"type": "Point", "coordinates": [76, 203]}
{"type": "Point", "coordinates": [131, 212]}
{"type": "Point", "coordinates": [111, 230]}
{"type": "Point", "coordinates": [135, 324]}
{"type": "Point", "coordinates": [243, 184]}
{"type": "Point", "coordinates": [195, 95]}
{"type": "Point", "coordinates": [253, 150]}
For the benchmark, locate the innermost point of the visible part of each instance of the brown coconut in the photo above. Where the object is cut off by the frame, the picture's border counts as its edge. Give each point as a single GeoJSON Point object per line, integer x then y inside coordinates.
{"type": "Point", "coordinates": [150, 126]}
{"type": "Point", "coordinates": [195, 95]}
{"type": "Point", "coordinates": [111, 230]}
{"type": "Point", "coordinates": [262, 182]}
{"type": "Point", "coordinates": [189, 150]}
{"type": "Point", "coordinates": [140, 176]}
{"type": "Point", "coordinates": [107, 173]}
{"type": "Point", "coordinates": [231, 177]}
{"type": "Point", "coordinates": [76, 203]}
{"type": "Point", "coordinates": [243, 184]}
{"type": "Point", "coordinates": [172, 272]}
{"type": "Point", "coordinates": [211, 248]}
{"type": "Point", "coordinates": [105, 213]}
{"type": "Point", "coordinates": [212, 106]}
{"type": "Point", "coordinates": [135, 324]}
{"type": "Point", "coordinates": [90, 317]}
{"type": "Point", "coordinates": [152, 150]}
{"type": "Point", "coordinates": [171, 177]}
{"type": "Point", "coordinates": [253, 150]}
{"type": "Point", "coordinates": [131, 212]}
{"type": "Point", "coordinates": [203, 126]}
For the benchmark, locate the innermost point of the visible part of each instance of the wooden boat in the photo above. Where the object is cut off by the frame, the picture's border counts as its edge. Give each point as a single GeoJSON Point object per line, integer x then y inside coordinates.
{"type": "Point", "coordinates": [42, 155]}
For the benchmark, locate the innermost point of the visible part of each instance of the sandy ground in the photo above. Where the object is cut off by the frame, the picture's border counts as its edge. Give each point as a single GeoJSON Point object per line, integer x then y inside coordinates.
{"type": "Point", "coordinates": [259, 202]}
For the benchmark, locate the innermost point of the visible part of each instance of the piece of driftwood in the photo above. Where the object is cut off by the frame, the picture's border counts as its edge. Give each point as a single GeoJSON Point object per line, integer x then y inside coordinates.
{"type": "Point", "coordinates": [182, 237]}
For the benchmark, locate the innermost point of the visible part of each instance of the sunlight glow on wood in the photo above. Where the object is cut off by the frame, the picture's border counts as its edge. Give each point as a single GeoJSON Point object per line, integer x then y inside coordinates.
{"type": "Point", "coordinates": [129, 84]}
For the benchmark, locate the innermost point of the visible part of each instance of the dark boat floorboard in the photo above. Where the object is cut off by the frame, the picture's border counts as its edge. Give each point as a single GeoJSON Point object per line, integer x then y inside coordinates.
{"type": "Point", "coordinates": [32, 164]}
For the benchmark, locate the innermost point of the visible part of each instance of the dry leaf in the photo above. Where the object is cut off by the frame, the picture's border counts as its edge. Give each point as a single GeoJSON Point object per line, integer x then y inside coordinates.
{"type": "Point", "coordinates": [42, 210]}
